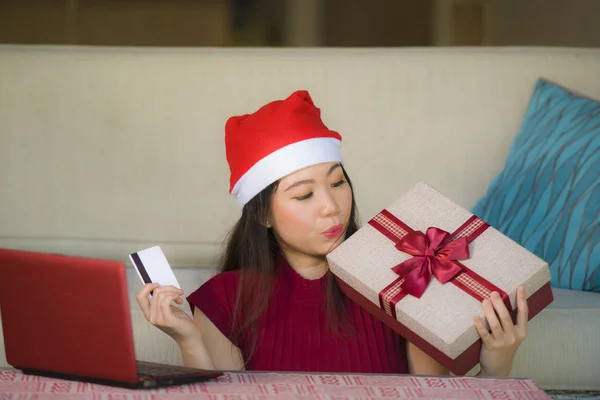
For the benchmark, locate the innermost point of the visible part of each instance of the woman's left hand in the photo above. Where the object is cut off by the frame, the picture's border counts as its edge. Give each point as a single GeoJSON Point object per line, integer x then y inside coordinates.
{"type": "Point", "coordinates": [500, 346]}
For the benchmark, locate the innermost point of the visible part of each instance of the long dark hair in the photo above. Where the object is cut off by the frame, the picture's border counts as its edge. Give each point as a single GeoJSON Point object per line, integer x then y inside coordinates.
{"type": "Point", "coordinates": [252, 249]}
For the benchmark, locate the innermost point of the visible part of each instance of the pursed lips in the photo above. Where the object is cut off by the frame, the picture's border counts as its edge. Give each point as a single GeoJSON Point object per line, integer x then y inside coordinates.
{"type": "Point", "coordinates": [334, 231]}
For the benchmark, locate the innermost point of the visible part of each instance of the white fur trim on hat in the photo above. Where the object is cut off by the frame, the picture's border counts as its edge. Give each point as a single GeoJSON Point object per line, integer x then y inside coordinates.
{"type": "Point", "coordinates": [283, 162]}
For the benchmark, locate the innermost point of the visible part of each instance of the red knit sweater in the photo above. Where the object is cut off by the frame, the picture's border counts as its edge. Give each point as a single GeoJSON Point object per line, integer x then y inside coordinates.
{"type": "Point", "coordinates": [293, 333]}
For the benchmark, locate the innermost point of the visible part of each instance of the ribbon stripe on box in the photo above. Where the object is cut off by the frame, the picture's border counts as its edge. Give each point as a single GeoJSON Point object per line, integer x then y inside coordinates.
{"type": "Point", "coordinates": [435, 253]}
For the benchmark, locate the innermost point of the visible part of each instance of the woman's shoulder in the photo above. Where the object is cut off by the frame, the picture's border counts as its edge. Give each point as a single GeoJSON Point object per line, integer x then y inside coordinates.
{"type": "Point", "coordinates": [216, 298]}
{"type": "Point", "coordinates": [224, 278]}
{"type": "Point", "coordinates": [220, 285]}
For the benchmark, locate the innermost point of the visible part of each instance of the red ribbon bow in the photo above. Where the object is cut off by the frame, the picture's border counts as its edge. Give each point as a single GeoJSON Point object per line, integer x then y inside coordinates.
{"type": "Point", "coordinates": [433, 254]}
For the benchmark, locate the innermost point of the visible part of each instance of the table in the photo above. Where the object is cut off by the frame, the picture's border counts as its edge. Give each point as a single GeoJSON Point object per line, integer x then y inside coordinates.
{"type": "Point", "coordinates": [15, 385]}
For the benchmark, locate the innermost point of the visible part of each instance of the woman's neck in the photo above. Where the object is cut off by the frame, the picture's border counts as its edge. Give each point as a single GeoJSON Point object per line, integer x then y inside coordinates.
{"type": "Point", "coordinates": [307, 266]}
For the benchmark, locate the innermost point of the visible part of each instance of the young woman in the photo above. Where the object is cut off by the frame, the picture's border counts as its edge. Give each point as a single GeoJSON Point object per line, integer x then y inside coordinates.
{"type": "Point", "coordinates": [274, 305]}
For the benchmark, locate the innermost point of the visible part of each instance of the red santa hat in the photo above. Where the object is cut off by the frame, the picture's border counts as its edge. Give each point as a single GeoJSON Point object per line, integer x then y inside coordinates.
{"type": "Point", "coordinates": [279, 138]}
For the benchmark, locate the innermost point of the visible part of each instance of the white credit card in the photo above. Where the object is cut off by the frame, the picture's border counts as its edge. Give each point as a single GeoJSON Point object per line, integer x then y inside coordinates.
{"type": "Point", "coordinates": [152, 267]}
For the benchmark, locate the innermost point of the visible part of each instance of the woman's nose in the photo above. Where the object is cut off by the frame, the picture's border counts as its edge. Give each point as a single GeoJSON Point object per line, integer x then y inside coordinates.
{"type": "Point", "coordinates": [330, 205]}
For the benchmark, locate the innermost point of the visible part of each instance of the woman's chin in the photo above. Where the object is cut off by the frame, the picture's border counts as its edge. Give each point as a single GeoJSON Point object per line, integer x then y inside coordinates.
{"type": "Point", "coordinates": [329, 247]}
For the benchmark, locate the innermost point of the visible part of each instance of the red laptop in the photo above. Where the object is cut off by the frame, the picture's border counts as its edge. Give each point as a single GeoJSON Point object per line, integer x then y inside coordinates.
{"type": "Point", "coordinates": [69, 317]}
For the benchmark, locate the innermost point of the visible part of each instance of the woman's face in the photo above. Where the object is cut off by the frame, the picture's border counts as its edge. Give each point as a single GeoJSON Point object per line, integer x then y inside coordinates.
{"type": "Point", "coordinates": [310, 209]}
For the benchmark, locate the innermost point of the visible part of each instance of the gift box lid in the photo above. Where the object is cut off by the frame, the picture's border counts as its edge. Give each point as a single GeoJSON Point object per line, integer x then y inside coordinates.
{"type": "Point", "coordinates": [444, 315]}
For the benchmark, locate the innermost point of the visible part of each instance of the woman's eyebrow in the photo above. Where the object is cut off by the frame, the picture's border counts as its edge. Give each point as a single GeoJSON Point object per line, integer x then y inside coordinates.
{"type": "Point", "coordinates": [333, 168]}
{"type": "Point", "coordinates": [305, 181]}
{"type": "Point", "coordinates": [302, 182]}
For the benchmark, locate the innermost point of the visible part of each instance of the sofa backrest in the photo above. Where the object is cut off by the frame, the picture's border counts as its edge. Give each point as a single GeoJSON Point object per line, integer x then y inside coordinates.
{"type": "Point", "coordinates": [104, 151]}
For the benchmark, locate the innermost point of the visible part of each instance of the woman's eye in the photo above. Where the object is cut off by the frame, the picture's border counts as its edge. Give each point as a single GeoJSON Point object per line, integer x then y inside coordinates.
{"type": "Point", "coordinates": [306, 196]}
{"type": "Point", "coordinates": [339, 183]}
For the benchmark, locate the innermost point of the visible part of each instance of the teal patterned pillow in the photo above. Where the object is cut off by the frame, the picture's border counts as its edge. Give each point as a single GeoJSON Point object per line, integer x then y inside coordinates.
{"type": "Point", "coordinates": [547, 197]}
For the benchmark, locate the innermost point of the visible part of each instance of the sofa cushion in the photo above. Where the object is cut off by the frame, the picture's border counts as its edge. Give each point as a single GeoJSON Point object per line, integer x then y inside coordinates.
{"type": "Point", "coordinates": [547, 197]}
{"type": "Point", "coordinates": [563, 343]}
{"type": "Point", "coordinates": [555, 355]}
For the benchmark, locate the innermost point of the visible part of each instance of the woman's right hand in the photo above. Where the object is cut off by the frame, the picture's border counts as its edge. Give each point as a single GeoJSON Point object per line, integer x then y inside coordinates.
{"type": "Point", "coordinates": [161, 313]}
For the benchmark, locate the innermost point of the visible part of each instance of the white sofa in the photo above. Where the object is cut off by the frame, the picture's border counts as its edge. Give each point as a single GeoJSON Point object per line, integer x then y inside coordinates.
{"type": "Point", "coordinates": [104, 151]}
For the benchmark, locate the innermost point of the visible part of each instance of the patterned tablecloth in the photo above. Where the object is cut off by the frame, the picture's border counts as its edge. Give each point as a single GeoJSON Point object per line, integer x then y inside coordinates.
{"type": "Point", "coordinates": [249, 386]}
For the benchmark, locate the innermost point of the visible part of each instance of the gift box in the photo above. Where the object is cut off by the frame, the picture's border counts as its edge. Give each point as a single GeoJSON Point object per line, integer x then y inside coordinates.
{"type": "Point", "coordinates": [383, 267]}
